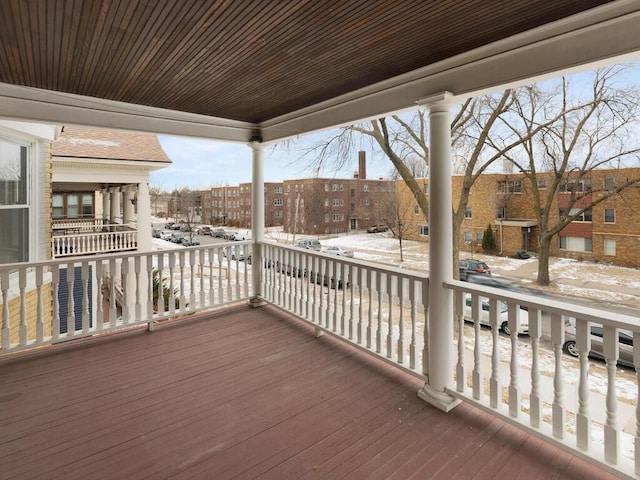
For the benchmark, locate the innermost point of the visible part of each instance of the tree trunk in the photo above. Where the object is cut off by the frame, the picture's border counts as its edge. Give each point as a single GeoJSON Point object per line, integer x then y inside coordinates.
{"type": "Point", "coordinates": [543, 261]}
{"type": "Point", "coordinates": [401, 254]}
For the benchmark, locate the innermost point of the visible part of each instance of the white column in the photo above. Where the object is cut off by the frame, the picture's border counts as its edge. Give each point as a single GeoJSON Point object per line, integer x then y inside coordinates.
{"type": "Point", "coordinates": [128, 210]}
{"type": "Point", "coordinates": [106, 205]}
{"type": "Point", "coordinates": [115, 206]}
{"type": "Point", "coordinates": [145, 241]}
{"type": "Point", "coordinates": [440, 341]}
{"type": "Point", "coordinates": [257, 221]}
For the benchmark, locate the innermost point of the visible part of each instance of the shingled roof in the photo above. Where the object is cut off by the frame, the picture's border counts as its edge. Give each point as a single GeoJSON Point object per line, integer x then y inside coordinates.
{"type": "Point", "coordinates": [83, 142]}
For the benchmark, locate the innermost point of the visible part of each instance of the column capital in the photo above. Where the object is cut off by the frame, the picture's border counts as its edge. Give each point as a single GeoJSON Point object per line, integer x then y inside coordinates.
{"type": "Point", "coordinates": [438, 102]}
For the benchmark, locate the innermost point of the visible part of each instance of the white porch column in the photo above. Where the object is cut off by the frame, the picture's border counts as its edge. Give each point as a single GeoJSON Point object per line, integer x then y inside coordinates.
{"type": "Point", "coordinates": [128, 211]}
{"type": "Point", "coordinates": [106, 206]}
{"type": "Point", "coordinates": [145, 241]}
{"type": "Point", "coordinates": [440, 331]}
{"type": "Point", "coordinates": [114, 213]}
{"type": "Point", "coordinates": [257, 221]}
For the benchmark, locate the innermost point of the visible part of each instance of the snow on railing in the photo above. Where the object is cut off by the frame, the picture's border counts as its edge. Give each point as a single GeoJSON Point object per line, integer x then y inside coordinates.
{"type": "Point", "coordinates": [587, 407]}
{"type": "Point", "coordinates": [49, 302]}
{"type": "Point", "coordinates": [377, 308]}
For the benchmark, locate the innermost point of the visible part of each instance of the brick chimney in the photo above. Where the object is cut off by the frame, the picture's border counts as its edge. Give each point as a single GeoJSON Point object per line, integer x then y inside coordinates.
{"type": "Point", "coordinates": [362, 165]}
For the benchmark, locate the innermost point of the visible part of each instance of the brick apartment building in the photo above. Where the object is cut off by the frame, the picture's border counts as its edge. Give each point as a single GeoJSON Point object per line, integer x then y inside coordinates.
{"type": "Point", "coordinates": [231, 205]}
{"type": "Point", "coordinates": [316, 206]}
{"type": "Point", "coordinates": [608, 233]}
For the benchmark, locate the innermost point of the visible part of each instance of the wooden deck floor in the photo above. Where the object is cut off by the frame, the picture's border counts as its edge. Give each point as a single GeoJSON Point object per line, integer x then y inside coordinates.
{"type": "Point", "coordinates": [241, 394]}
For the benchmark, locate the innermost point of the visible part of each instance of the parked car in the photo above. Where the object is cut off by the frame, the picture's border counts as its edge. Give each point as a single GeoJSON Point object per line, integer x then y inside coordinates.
{"type": "Point", "coordinates": [168, 225]}
{"type": "Point", "coordinates": [503, 319]}
{"type": "Point", "coordinates": [175, 226]}
{"type": "Point", "coordinates": [190, 242]}
{"type": "Point", "coordinates": [166, 234]}
{"type": "Point", "coordinates": [204, 229]}
{"type": "Point", "coordinates": [237, 253]}
{"type": "Point", "coordinates": [185, 228]}
{"type": "Point", "coordinates": [377, 228]}
{"type": "Point", "coordinates": [309, 244]}
{"type": "Point", "coordinates": [155, 232]}
{"type": "Point", "coordinates": [339, 250]}
{"type": "Point", "coordinates": [472, 267]}
{"type": "Point", "coordinates": [625, 344]}
{"type": "Point", "coordinates": [229, 234]}
{"type": "Point", "coordinates": [242, 235]}
{"type": "Point", "coordinates": [177, 237]}
{"type": "Point", "coordinates": [218, 232]}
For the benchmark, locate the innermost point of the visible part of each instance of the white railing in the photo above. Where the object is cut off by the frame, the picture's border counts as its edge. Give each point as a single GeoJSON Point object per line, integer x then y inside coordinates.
{"type": "Point", "coordinates": [36, 310]}
{"type": "Point", "coordinates": [589, 409]}
{"type": "Point", "coordinates": [92, 243]}
{"type": "Point", "coordinates": [377, 308]}
{"type": "Point", "coordinates": [79, 224]}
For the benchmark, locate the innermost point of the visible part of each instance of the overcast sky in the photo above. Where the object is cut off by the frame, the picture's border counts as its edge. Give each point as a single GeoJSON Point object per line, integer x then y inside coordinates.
{"type": "Point", "coordinates": [199, 164]}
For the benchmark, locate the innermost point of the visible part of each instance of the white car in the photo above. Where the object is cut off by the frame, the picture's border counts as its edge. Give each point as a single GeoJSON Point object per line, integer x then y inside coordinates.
{"type": "Point", "coordinates": [242, 235]}
{"type": "Point", "coordinates": [503, 319]}
{"type": "Point", "coordinates": [166, 235]}
{"type": "Point", "coordinates": [339, 250]}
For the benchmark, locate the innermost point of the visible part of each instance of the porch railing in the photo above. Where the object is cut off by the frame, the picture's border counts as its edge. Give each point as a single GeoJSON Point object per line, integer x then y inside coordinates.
{"type": "Point", "coordinates": [83, 243]}
{"type": "Point", "coordinates": [374, 307]}
{"type": "Point", "coordinates": [529, 381]}
{"type": "Point", "coordinates": [81, 224]}
{"type": "Point", "coordinates": [54, 301]}
{"type": "Point", "coordinates": [588, 409]}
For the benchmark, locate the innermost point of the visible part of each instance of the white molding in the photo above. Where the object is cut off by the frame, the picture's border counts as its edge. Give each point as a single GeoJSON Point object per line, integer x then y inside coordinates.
{"type": "Point", "coordinates": [46, 106]}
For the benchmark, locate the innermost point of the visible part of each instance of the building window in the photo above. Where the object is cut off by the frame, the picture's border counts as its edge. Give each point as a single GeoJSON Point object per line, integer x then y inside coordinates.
{"type": "Point", "coordinates": [14, 202]}
{"type": "Point", "coordinates": [426, 189]}
{"type": "Point", "coordinates": [573, 186]}
{"type": "Point", "coordinates": [609, 184]}
{"type": "Point", "coordinates": [277, 202]}
{"type": "Point", "coordinates": [336, 217]}
{"type": "Point", "coordinates": [277, 190]}
{"type": "Point", "coordinates": [610, 247]}
{"type": "Point", "coordinates": [365, 188]}
{"type": "Point", "coordinates": [423, 230]}
{"type": "Point", "coordinates": [366, 202]}
{"type": "Point", "coordinates": [501, 212]}
{"type": "Point", "coordinates": [416, 209]}
{"type": "Point", "coordinates": [542, 184]}
{"type": "Point", "coordinates": [510, 186]}
{"type": "Point", "coordinates": [467, 212]}
{"type": "Point", "coordinates": [583, 217]}
{"type": "Point", "coordinates": [467, 237]}
{"type": "Point", "coordinates": [609, 215]}
{"type": "Point", "coordinates": [326, 218]}
{"type": "Point", "coordinates": [326, 202]}
{"type": "Point", "coordinates": [576, 244]}
{"type": "Point", "coordinates": [326, 187]}
{"type": "Point", "coordinates": [479, 237]}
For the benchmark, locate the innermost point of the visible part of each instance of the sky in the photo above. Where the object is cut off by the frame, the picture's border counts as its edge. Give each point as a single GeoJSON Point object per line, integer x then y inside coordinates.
{"type": "Point", "coordinates": [199, 164]}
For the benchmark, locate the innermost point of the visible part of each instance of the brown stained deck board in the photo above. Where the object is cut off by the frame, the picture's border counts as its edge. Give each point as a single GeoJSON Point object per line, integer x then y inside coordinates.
{"type": "Point", "coordinates": [244, 393]}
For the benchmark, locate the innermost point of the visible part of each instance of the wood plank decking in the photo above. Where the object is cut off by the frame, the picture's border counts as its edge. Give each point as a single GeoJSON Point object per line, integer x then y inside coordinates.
{"type": "Point", "coordinates": [245, 393]}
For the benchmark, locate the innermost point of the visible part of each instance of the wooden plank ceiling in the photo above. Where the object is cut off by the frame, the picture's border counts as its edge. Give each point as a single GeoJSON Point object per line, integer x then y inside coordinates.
{"type": "Point", "coordinates": [245, 59]}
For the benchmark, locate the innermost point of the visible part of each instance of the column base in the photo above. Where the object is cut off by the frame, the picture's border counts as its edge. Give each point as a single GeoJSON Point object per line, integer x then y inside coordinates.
{"type": "Point", "coordinates": [441, 400]}
{"type": "Point", "coordinates": [256, 302]}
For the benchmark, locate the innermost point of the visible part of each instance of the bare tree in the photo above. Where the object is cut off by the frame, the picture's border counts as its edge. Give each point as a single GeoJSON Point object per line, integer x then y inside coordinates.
{"type": "Point", "coordinates": [188, 208]}
{"type": "Point", "coordinates": [590, 131]}
{"type": "Point", "coordinates": [396, 211]}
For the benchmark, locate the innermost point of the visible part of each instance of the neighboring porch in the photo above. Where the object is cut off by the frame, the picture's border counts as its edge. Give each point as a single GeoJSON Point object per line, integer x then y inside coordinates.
{"type": "Point", "coordinates": [245, 393]}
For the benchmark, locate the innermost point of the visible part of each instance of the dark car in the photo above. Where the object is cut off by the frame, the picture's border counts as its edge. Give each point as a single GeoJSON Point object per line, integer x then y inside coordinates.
{"type": "Point", "coordinates": [177, 237]}
{"type": "Point", "coordinates": [472, 267]}
{"type": "Point", "coordinates": [377, 228]}
{"type": "Point", "coordinates": [218, 232]}
{"type": "Point", "coordinates": [309, 244]}
{"type": "Point", "coordinates": [190, 242]}
{"type": "Point", "coordinates": [625, 344]}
